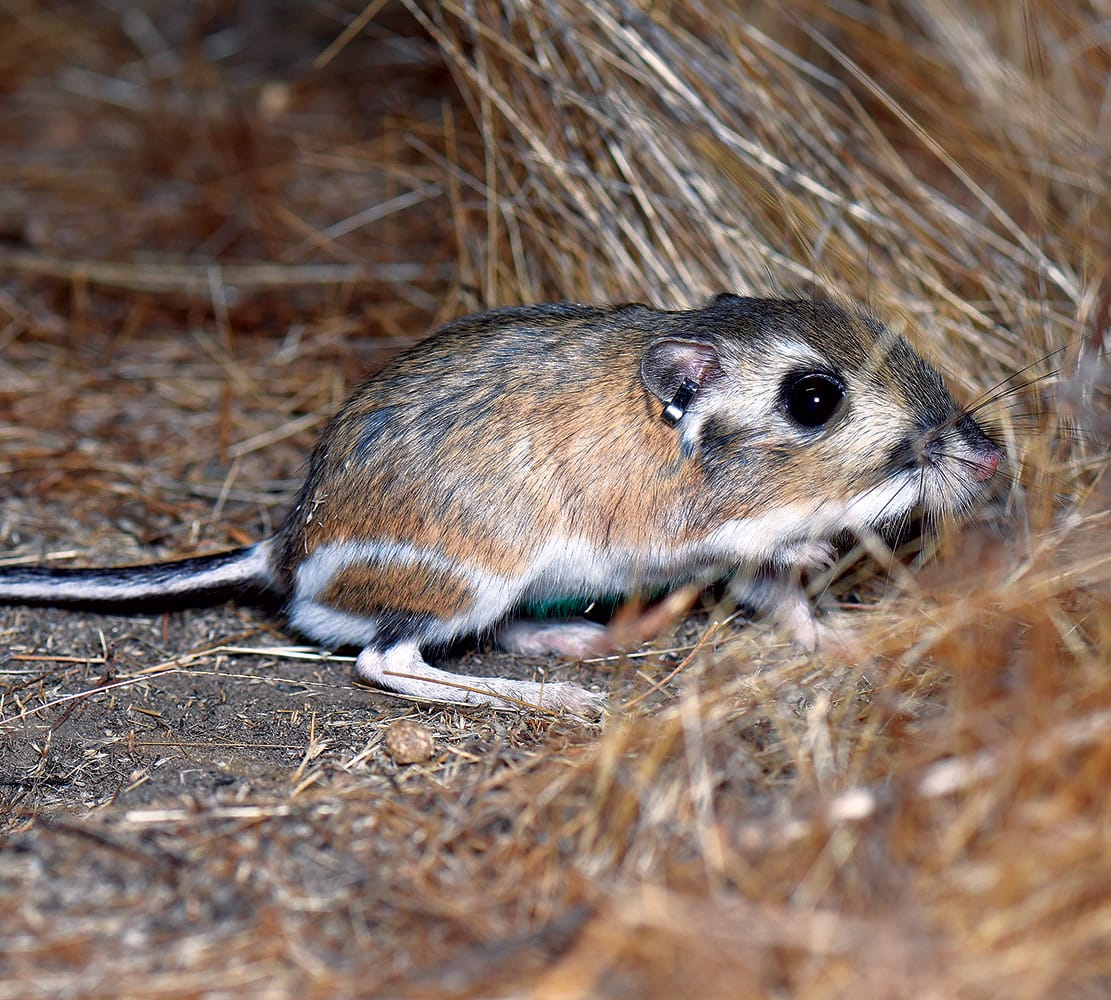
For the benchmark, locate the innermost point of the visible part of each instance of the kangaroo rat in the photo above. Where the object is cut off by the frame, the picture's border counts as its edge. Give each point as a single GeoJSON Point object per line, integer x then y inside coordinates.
{"type": "Point", "coordinates": [555, 451]}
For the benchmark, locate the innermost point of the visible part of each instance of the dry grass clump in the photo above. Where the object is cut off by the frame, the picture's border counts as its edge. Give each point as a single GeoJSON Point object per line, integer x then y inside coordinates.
{"type": "Point", "coordinates": [923, 813]}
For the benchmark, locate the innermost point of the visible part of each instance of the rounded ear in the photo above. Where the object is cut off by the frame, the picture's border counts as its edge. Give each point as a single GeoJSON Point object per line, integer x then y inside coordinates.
{"type": "Point", "coordinates": [668, 361]}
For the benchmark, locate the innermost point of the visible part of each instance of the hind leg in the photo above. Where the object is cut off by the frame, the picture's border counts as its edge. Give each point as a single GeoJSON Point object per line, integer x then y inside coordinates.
{"type": "Point", "coordinates": [574, 640]}
{"type": "Point", "coordinates": [402, 669]}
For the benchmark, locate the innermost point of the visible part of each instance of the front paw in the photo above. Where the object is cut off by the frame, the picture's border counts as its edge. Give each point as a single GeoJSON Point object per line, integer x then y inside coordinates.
{"type": "Point", "coordinates": [809, 553]}
{"type": "Point", "coordinates": [795, 615]}
{"type": "Point", "coordinates": [809, 634]}
{"type": "Point", "coordinates": [780, 601]}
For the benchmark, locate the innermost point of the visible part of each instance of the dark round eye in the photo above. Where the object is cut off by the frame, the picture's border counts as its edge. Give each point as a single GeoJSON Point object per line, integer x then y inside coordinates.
{"type": "Point", "coordinates": [812, 398]}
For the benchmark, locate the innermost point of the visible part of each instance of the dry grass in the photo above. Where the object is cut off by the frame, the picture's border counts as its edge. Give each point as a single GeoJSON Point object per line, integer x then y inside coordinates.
{"type": "Point", "coordinates": [207, 238]}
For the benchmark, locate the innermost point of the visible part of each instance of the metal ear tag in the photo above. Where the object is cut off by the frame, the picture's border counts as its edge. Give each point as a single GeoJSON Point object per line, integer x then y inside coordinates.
{"type": "Point", "coordinates": [675, 410]}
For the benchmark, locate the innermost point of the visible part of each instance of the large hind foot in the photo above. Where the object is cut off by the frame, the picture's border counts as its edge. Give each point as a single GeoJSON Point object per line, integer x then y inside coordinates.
{"type": "Point", "coordinates": [402, 669]}
{"type": "Point", "coordinates": [574, 640]}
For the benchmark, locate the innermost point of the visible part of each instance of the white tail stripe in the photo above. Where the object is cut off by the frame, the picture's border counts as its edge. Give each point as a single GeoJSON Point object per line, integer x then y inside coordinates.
{"type": "Point", "coordinates": [238, 569]}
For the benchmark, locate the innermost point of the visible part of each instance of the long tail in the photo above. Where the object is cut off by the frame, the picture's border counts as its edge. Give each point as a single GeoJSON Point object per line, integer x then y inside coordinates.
{"type": "Point", "coordinates": [224, 574]}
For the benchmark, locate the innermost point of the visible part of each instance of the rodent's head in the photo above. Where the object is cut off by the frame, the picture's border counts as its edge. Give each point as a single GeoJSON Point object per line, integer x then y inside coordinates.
{"type": "Point", "coordinates": [826, 413]}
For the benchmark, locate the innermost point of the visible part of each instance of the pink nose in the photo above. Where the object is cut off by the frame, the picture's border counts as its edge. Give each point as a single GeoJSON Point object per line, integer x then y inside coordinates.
{"type": "Point", "coordinates": [985, 466]}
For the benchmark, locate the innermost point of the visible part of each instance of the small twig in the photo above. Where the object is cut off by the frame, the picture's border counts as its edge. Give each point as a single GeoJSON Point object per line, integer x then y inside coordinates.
{"type": "Point", "coordinates": [659, 685]}
{"type": "Point", "coordinates": [197, 279]}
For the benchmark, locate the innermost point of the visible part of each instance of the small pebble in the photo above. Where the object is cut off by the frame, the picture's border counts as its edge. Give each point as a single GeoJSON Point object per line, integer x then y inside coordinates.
{"type": "Point", "coordinates": [409, 743]}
